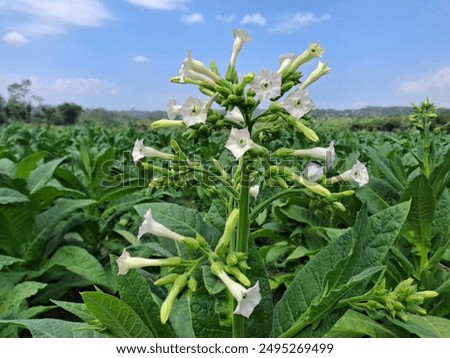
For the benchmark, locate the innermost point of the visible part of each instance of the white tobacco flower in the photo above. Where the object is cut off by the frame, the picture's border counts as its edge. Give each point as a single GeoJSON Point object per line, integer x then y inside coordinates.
{"type": "Point", "coordinates": [314, 50]}
{"type": "Point", "coordinates": [240, 37]}
{"type": "Point", "coordinates": [286, 60]}
{"type": "Point", "coordinates": [298, 103]}
{"type": "Point", "coordinates": [150, 226]}
{"type": "Point", "coordinates": [126, 262]}
{"type": "Point", "coordinates": [327, 154]}
{"type": "Point", "coordinates": [235, 115]}
{"type": "Point", "coordinates": [197, 71]}
{"type": "Point", "coordinates": [140, 151]}
{"type": "Point", "coordinates": [254, 191]}
{"type": "Point", "coordinates": [239, 142]}
{"type": "Point", "coordinates": [173, 109]}
{"type": "Point", "coordinates": [358, 174]}
{"type": "Point", "coordinates": [247, 298]}
{"type": "Point", "coordinates": [321, 70]}
{"type": "Point", "coordinates": [193, 112]}
{"type": "Point", "coordinates": [267, 85]}
{"type": "Point", "coordinates": [313, 172]}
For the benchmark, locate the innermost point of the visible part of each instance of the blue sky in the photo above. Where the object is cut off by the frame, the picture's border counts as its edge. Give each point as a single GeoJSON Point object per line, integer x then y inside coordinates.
{"type": "Point", "coordinates": [120, 54]}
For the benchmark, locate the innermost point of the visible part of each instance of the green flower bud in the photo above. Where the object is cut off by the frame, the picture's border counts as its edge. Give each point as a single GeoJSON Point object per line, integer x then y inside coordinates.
{"type": "Point", "coordinates": [230, 225]}
{"type": "Point", "coordinates": [166, 306]}
{"type": "Point", "coordinates": [167, 123]}
{"type": "Point", "coordinates": [413, 308]}
{"type": "Point", "coordinates": [166, 280]}
{"type": "Point", "coordinates": [190, 243]}
{"type": "Point", "coordinates": [283, 152]}
{"type": "Point", "coordinates": [192, 284]}
{"type": "Point", "coordinates": [232, 259]}
{"type": "Point", "coordinates": [343, 194]}
{"type": "Point", "coordinates": [233, 270]}
{"type": "Point", "coordinates": [243, 265]}
{"type": "Point", "coordinates": [338, 206]}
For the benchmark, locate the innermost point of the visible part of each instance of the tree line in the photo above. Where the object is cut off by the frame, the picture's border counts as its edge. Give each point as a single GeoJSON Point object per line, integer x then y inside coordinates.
{"type": "Point", "coordinates": [19, 107]}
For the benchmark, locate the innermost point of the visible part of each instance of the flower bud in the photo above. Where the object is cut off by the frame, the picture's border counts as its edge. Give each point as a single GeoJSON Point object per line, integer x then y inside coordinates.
{"type": "Point", "coordinates": [166, 280]}
{"type": "Point", "coordinates": [190, 243]}
{"type": "Point", "coordinates": [236, 272]}
{"type": "Point", "coordinates": [166, 307]}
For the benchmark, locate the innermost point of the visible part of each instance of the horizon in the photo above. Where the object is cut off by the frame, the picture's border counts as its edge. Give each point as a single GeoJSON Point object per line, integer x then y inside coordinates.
{"type": "Point", "coordinates": [121, 54]}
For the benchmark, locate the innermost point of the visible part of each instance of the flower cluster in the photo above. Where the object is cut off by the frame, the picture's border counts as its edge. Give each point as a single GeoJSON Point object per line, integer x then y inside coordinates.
{"type": "Point", "coordinates": [238, 114]}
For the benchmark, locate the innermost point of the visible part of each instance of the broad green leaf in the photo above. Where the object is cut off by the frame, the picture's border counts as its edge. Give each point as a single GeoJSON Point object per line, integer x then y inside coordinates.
{"type": "Point", "coordinates": [385, 167]}
{"type": "Point", "coordinates": [301, 214]}
{"type": "Point", "coordinates": [338, 264]}
{"type": "Point", "coordinates": [440, 174]}
{"type": "Point", "coordinates": [47, 221]}
{"type": "Point", "coordinates": [78, 309]}
{"type": "Point", "coordinates": [135, 292]}
{"type": "Point", "coordinates": [15, 228]}
{"type": "Point", "coordinates": [440, 229]}
{"type": "Point", "coordinates": [42, 174]}
{"type": "Point", "coordinates": [102, 168]}
{"type": "Point", "coordinates": [8, 260]}
{"type": "Point", "coordinates": [184, 221]}
{"type": "Point", "coordinates": [375, 202]}
{"type": "Point", "coordinates": [54, 328]}
{"type": "Point", "coordinates": [181, 317]}
{"type": "Point", "coordinates": [356, 325]}
{"type": "Point", "coordinates": [79, 261]}
{"type": "Point", "coordinates": [421, 214]}
{"type": "Point", "coordinates": [27, 164]}
{"type": "Point", "coordinates": [8, 167]}
{"type": "Point", "coordinates": [10, 196]}
{"type": "Point", "coordinates": [12, 300]}
{"type": "Point", "coordinates": [426, 326]}
{"type": "Point", "coordinates": [116, 315]}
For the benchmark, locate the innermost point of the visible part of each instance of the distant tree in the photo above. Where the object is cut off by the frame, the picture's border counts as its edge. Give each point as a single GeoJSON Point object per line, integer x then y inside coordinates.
{"type": "Point", "coordinates": [2, 110]}
{"type": "Point", "coordinates": [69, 112]}
{"type": "Point", "coordinates": [49, 114]}
{"type": "Point", "coordinates": [19, 105]}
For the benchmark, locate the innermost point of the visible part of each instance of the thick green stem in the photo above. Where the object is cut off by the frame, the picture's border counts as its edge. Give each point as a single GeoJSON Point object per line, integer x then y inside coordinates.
{"type": "Point", "coordinates": [242, 237]}
{"type": "Point", "coordinates": [426, 164]}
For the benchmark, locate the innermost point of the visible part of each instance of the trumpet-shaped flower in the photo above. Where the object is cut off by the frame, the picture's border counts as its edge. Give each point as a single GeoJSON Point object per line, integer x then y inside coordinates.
{"type": "Point", "coordinates": [140, 151]}
{"type": "Point", "coordinates": [358, 174]}
{"type": "Point", "coordinates": [314, 50]}
{"type": "Point", "coordinates": [240, 37]}
{"type": "Point", "coordinates": [313, 172]}
{"type": "Point", "coordinates": [327, 154]}
{"type": "Point", "coordinates": [267, 85]}
{"type": "Point", "coordinates": [126, 262]}
{"type": "Point", "coordinates": [173, 109]}
{"type": "Point", "coordinates": [321, 70]}
{"type": "Point", "coordinates": [197, 71]}
{"type": "Point", "coordinates": [193, 111]}
{"type": "Point", "coordinates": [286, 60]}
{"type": "Point", "coordinates": [247, 299]}
{"type": "Point", "coordinates": [150, 226]}
{"type": "Point", "coordinates": [235, 115]}
{"type": "Point", "coordinates": [298, 103]}
{"type": "Point", "coordinates": [239, 142]}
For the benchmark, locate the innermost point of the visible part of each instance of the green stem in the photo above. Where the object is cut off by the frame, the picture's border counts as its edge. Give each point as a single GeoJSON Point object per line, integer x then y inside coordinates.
{"type": "Point", "coordinates": [426, 164]}
{"type": "Point", "coordinates": [242, 237]}
{"type": "Point", "coordinates": [266, 202]}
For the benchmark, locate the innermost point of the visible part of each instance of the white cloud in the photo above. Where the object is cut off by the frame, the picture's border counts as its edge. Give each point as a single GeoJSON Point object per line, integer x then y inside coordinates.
{"type": "Point", "coordinates": [14, 38]}
{"type": "Point", "coordinates": [141, 59]}
{"type": "Point", "coordinates": [255, 19]}
{"type": "Point", "coordinates": [226, 19]}
{"type": "Point", "coordinates": [53, 16]}
{"type": "Point", "coordinates": [161, 4]}
{"type": "Point", "coordinates": [192, 19]}
{"type": "Point", "coordinates": [298, 21]}
{"type": "Point", "coordinates": [433, 82]}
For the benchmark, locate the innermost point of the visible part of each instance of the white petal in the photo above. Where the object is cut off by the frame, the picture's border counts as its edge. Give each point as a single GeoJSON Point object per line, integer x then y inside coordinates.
{"type": "Point", "coordinates": [249, 301]}
{"type": "Point", "coordinates": [239, 142]}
